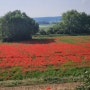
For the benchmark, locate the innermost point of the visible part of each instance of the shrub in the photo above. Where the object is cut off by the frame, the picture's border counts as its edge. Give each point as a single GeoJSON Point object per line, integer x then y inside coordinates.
{"type": "Point", "coordinates": [16, 26]}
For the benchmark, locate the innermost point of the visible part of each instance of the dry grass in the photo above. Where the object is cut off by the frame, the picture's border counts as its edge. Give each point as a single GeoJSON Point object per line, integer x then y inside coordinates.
{"type": "Point", "coordinates": [64, 86]}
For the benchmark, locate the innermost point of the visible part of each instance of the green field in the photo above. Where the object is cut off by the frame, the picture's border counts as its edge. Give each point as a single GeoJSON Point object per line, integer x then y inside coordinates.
{"type": "Point", "coordinates": [43, 26]}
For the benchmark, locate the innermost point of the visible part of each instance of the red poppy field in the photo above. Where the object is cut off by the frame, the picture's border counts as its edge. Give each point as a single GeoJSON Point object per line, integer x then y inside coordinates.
{"type": "Point", "coordinates": [42, 54]}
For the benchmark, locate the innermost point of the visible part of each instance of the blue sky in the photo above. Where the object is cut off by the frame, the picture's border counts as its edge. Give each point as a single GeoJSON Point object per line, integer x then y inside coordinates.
{"type": "Point", "coordinates": [42, 8]}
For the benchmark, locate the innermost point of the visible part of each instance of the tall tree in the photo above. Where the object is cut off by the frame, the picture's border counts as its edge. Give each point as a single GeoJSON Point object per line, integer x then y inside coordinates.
{"type": "Point", "coordinates": [16, 26]}
{"type": "Point", "coordinates": [73, 22]}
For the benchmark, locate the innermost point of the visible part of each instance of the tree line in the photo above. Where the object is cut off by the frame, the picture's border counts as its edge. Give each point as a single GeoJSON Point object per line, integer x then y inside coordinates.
{"type": "Point", "coordinates": [17, 26]}
{"type": "Point", "coordinates": [72, 22]}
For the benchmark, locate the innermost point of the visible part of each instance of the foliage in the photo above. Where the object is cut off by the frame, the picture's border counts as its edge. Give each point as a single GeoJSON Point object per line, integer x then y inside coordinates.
{"type": "Point", "coordinates": [86, 85]}
{"type": "Point", "coordinates": [16, 26]}
{"type": "Point", "coordinates": [72, 23]}
{"type": "Point", "coordinates": [44, 29]}
{"type": "Point", "coordinates": [42, 32]}
{"type": "Point", "coordinates": [40, 77]}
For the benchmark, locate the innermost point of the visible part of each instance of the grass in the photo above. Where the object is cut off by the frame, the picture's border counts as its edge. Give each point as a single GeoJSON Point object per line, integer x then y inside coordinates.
{"type": "Point", "coordinates": [50, 76]}
{"type": "Point", "coordinates": [68, 40]}
{"type": "Point", "coordinates": [75, 39]}
{"type": "Point", "coordinates": [65, 38]}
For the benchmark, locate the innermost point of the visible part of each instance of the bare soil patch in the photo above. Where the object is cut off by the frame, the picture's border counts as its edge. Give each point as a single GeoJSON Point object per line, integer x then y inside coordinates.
{"type": "Point", "coordinates": [63, 86]}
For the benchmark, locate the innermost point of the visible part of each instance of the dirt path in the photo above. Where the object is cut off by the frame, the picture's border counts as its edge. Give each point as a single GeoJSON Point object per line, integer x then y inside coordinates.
{"type": "Point", "coordinates": [65, 86]}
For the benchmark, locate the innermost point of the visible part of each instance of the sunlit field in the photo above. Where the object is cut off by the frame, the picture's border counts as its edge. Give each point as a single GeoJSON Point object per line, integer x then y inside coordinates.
{"type": "Point", "coordinates": [45, 59]}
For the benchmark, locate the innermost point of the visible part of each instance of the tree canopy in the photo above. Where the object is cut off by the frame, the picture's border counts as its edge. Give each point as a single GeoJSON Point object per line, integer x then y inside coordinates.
{"type": "Point", "coordinates": [16, 26]}
{"type": "Point", "coordinates": [73, 22]}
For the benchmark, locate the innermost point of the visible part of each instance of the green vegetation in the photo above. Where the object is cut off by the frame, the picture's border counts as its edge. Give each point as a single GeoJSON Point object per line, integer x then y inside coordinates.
{"type": "Point", "coordinates": [64, 38]}
{"type": "Point", "coordinates": [41, 77]}
{"type": "Point", "coordinates": [16, 26]}
{"type": "Point", "coordinates": [68, 40]}
{"type": "Point", "coordinates": [86, 85]}
{"type": "Point", "coordinates": [43, 29]}
{"type": "Point", "coordinates": [72, 23]}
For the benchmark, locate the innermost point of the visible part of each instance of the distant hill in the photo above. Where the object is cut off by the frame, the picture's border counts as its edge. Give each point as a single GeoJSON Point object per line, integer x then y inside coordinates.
{"type": "Point", "coordinates": [47, 20]}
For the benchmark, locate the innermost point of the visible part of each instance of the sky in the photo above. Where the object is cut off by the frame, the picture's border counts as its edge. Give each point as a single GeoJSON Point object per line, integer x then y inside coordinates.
{"type": "Point", "coordinates": [44, 8]}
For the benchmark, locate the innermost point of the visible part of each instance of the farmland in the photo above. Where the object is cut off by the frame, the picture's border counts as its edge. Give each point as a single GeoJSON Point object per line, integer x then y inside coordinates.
{"type": "Point", "coordinates": [45, 27]}
{"type": "Point", "coordinates": [45, 59]}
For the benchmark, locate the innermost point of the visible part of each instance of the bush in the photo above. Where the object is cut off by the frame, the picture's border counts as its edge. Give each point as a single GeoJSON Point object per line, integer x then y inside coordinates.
{"type": "Point", "coordinates": [86, 85]}
{"type": "Point", "coordinates": [16, 26]}
{"type": "Point", "coordinates": [42, 32]}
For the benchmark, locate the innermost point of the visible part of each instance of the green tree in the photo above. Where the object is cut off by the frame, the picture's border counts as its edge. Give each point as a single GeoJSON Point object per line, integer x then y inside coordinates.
{"type": "Point", "coordinates": [73, 22]}
{"type": "Point", "coordinates": [16, 26]}
{"type": "Point", "coordinates": [42, 32]}
{"type": "Point", "coordinates": [85, 23]}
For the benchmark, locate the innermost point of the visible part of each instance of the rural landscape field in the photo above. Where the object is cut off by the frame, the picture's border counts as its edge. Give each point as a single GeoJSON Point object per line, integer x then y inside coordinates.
{"type": "Point", "coordinates": [44, 45]}
{"type": "Point", "coordinates": [45, 59]}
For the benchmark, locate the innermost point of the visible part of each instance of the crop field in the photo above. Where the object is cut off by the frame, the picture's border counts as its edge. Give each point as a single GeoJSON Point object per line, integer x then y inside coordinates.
{"type": "Point", "coordinates": [45, 26]}
{"type": "Point", "coordinates": [46, 59]}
